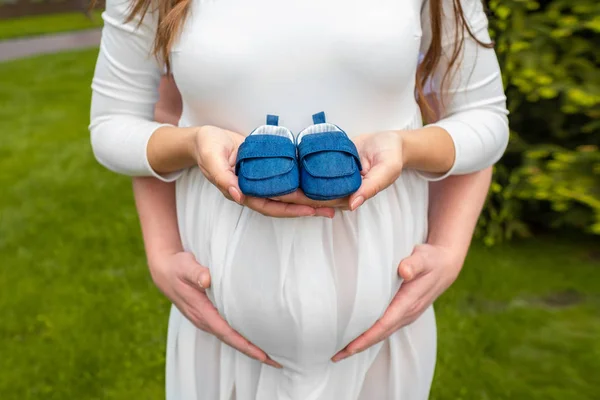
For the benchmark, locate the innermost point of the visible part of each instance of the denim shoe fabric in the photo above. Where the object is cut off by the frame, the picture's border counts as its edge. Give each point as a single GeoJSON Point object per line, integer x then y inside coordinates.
{"type": "Point", "coordinates": [267, 164]}
{"type": "Point", "coordinates": [329, 161]}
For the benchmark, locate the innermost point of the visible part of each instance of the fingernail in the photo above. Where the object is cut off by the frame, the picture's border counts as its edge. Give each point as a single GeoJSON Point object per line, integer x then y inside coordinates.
{"type": "Point", "coordinates": [408, 273]}
{"type": "Point", "coordinates": [273, 364]}
{"type": "Point", "coordinates": [320, 212]}
{"type": "Point", "coordinates": [357, 203]}
{"type": "Point", "coordinates": [207, 280]}
{"type": "Point", "coordinates": [340, 357]}
{"type": "Point", "coordinates": [235, 195]}
{"type": "Point", "coordinates": [201, 282]}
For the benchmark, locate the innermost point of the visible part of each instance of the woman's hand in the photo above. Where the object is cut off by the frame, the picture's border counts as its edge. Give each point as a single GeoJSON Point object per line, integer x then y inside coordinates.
{"type": "Point", "coordinates": [183, 281]}
{"type": "Point", "coordinates": [215, 150]}
{"type": "Point", "coordinates": [382, 157]}
{"type": "Point", "coordinates": [427, 273]}
{"type": "Point", "coordinates": [325, 208]}
{"type": "Point", "coordinates": [382, 160]}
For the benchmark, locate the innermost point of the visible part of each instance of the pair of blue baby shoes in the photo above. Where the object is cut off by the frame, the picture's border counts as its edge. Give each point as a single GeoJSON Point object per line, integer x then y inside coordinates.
{"type": "Point", "coordinates": [321, 160]}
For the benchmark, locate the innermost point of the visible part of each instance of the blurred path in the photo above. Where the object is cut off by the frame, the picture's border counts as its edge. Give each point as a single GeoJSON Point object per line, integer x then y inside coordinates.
{"type": "Point", "coordinates": [24, 47]}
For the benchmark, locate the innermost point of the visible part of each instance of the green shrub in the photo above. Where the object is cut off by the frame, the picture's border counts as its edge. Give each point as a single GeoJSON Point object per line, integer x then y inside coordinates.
{"type": "Point", "coordinates": [550, 175]}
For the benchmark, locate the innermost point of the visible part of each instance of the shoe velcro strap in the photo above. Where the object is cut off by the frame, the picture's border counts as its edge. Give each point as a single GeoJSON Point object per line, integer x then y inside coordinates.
{"type": "Point", "coordinates": [266, 146]}
{"type": "Point", "coordinates": [328, 141]}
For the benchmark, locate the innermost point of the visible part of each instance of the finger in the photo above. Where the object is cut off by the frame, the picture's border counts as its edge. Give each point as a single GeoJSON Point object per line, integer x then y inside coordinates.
{"type": "Point", "coordinates": [325, 212]}
{"type": "Point", "coordinates": [227, 182]}
{"type": "Point", "coordinates": [386, 325]}
{"type": "Point", "coordinates": [218, 167]}
{"type": "Point", "coordinates": [298, 197]}
{"type": "Point", "coordinates": [414, 265]}
{"type": "Point", "coordinates": [232, 193]}
{"type": "Point", "coordinates": [196, 276]}
{"type": "Point", "coordinates": [418, 307]}
{"type": "Point", "coordinates": [272, 363]}
{"type": "Point", "coordinates": [237, 140]}
{"type": "Point", "coordinates": [374, 335]}
{"type": "Point", "coordinates": [421, 291]}
{"type": "Point", "coordinates": [378, 178]}
{"type": "Point", "coordinates": [205, 316]}
{"type": "Point", "coordinates": [221, 329]}
{"type": "Point", "coordinates": [277, 209]}
{"type": "Point", "coordinates": [365, 159]}
{"type": "Point", "coordinates": [322, 208]}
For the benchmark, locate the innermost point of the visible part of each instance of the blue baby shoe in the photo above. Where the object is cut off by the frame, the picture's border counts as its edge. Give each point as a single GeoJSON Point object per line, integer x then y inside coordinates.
{"type": "Point", "coordinates": [267, 164]}
{"type": "Point", "coordinates": [329, 161]}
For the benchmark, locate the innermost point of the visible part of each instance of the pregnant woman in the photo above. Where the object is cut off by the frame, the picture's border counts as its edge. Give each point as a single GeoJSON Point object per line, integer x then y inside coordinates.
{"type": "Point", "coordinates": [300, 288]}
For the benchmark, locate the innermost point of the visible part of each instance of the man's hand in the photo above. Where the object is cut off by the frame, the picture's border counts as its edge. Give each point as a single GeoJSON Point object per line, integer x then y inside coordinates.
{"type": "Point", "coordinates": [427, 273]}
{"type": "Point", "coordinates": [184, 281]}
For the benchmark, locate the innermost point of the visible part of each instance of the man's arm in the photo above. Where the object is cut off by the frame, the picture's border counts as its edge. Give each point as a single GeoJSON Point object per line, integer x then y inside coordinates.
{"type": "Point", "coordinates": [455, 204]}
{"type": "Point", "coordinates": [175, 272]}
{"type": "Point", "coordinates": [454, 207]}
{"type": "Point", "coordinates": [169, 107]}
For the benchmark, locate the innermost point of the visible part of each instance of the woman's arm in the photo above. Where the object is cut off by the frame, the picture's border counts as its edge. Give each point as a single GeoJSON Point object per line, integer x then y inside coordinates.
{"type": "Point", "coordinates": [474, 113]}
{"type": "Point", "coordinates": [472, 132]}
{"type": "Point", "coordinates": [126, 139]}
{"type": "Point", "coordinates": [124, 91]}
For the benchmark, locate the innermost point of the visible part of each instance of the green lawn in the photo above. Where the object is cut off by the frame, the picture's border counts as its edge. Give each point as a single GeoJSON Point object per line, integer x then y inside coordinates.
{"type": "Point", "coordinates": [45, 24]}
{"type": "Point", "coordinates": [80, 318]}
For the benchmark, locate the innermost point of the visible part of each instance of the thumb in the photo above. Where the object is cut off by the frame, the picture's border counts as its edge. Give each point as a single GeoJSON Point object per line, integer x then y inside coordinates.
{"type": "Point", "coordinates": [378, 178]}
{"type": "Point", "coordinates": [217, 166]}
{"type": "Point", "coordinates": [227, 182]}
{"type": "Point", "coordinates": [196, 275]}
{"type": "Point", "coordinates": [412, 266]}
{"type": "Point", "coordinates": [204, 278]}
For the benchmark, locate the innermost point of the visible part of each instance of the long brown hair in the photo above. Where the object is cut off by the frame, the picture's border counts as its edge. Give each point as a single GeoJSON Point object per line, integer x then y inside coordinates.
{"type": "Point", "coordinates": [433, 106]}
{"type": "Point", "coordinates": [173, 13]}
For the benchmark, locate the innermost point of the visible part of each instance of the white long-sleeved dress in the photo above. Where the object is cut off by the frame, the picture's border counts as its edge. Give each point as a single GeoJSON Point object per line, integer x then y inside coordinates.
{"type": "Point", "coordinates": [302, 288]}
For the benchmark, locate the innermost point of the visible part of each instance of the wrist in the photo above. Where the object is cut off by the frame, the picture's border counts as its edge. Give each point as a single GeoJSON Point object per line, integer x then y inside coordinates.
{"type": "Point", "coordinates": [455, 241]}
{"type": "Point", "coordinates": [429, 149]}
{"type": "Point", "coordinates": [169, 149]}
{"type": "Point", "coordinates": [166, 249]}
{"type": "Point", "coordinates": [156, 255]}
{"type": "Point", "coordinates": [456, 252]}
{"type": "Point", "coordinates": [408, 139]}
{"type": "Point", "coordinates": [191, 143]}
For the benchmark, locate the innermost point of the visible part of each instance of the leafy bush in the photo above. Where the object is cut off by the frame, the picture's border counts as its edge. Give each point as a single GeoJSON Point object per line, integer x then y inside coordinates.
{"type": "Point", "coordinates": [550, 174]}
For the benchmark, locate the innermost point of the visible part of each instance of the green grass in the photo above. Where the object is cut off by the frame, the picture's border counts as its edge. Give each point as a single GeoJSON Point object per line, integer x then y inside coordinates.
{"type": "Point", "coordinates": [80, 318]}
{"type": "Point", "coordinates": [46, 24]}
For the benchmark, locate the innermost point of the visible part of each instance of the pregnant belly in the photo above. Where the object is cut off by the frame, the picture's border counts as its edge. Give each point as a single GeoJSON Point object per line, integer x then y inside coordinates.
{"type": "Point", "coordinates": [302, 288]}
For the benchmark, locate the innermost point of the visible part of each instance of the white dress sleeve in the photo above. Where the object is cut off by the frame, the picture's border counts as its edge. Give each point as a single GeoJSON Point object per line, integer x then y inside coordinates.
{"type": "Point", "coordinates": [124, 92]}
{"type": "Point", "coordinates": [475, 113]}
